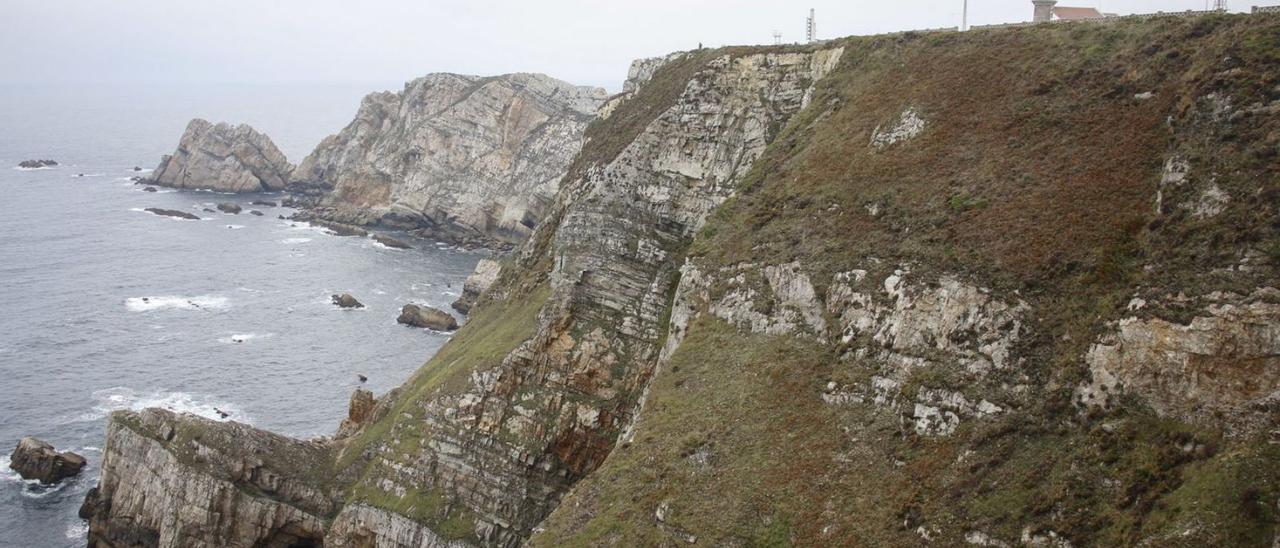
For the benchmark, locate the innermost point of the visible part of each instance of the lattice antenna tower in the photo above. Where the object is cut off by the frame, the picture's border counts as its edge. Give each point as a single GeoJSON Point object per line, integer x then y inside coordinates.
{"type": "Point", "coordinates": [777, 37]}
{"type": "Point", "coordinates": [1220, 5]}
{"type": "Point", "coordinates": [811, 27]}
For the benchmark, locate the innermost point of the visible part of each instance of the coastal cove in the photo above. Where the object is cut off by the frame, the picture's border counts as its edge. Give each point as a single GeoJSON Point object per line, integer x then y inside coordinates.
{"type": "Point", "coordinates": [113, 307]}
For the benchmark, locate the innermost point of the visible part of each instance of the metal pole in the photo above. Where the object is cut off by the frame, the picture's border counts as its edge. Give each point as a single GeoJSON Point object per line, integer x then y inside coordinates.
{"type": "Point", "coordinates": [964, 16]}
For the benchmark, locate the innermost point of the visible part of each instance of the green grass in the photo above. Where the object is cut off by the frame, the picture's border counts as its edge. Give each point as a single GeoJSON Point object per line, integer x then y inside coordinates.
{"type": "Point", "coordinates": [493, 331]}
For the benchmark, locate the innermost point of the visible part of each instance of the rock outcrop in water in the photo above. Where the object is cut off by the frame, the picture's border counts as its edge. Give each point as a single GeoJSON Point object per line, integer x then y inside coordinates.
{"type": "Point", "coordinates": [745, 320]}
{"type": "Point", "coordinates": [427, 317]}
{"type": "Point", "coordinates": [36, 460]}
{"type": "Point", "coordinates": [345, 300]}
{"type": "Point", "coordinates": [459, 158]}
{"type": "Point", "coordinates": [224, 158]}
{"type": "Point", "coordinates": [36, 164]}
{"type": "Point", "coordinates": [172, 213]}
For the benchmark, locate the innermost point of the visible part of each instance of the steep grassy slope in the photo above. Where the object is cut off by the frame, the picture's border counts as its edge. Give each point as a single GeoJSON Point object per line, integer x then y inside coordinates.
{"type": "Point", "coordinates": [1081, 173]}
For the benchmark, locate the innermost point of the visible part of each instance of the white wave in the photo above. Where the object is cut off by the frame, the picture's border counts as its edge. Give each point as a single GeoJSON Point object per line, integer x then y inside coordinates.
{"type": "Point", "coordinates": [243, 337]}
{"type": "Point", "coordinates": [119, 397]}
{"type": "Point", "coordinates": [235, 227]}
{"type": "Point", "coordinates": [78, 530]}
{"type": "Point", "coordinates": [201, 302]}
{"type": "Point", "coordinates": [292, 241]}
{"type": "Point", "coordinates": [303, 225]}
{"type": "Point", "coordinates": [19, 168]}
{"type": "Point", "coordinates": [79, 175]}
{"type": "Point", "coordinates": [91, 449]}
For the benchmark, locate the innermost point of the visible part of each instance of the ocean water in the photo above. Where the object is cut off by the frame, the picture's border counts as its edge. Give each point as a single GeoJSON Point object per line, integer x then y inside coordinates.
{"type": "Point", "coordinates": [107, 306]}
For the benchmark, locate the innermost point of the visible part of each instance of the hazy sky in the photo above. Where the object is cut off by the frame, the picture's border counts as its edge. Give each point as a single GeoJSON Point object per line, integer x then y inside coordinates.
{"type": "Point", "coordinates": [582, 41]}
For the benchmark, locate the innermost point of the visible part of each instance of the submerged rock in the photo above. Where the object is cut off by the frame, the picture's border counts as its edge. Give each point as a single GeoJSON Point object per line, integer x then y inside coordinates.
{"type": "Point", "coordinates": [228, 207]}
{"type": "Point", "coordinates": [263, 203]}
{"type": "Point", "coordinates": [149, 189]}
{"type": "Point", "coordinates": [391, 242]}
{"type": "Point", "coordinates": [255, 213]}
{"type": "Point", "coordinates": [225, 158]}
{"type": "Point", "coordinates": [345, 300]}
{"type": "Point", "coordinates": [36, 164]}
{"type": "Point", "coordinates": [36, 460]}
{"type": "Point", "coordinates": [428, 317]}
{"type": "Point", "coordinates": [173, 213]}
{"type": "Point", "coordinates": [486, 273]}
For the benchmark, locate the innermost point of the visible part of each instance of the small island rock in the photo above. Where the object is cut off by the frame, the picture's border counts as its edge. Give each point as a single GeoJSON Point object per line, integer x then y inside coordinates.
{"type": "Point", "coordinates": [37, 460]}
{"type": "Point", "coordinates": [228, 207]}
{"type": "Point", "coordinates": [345, 300]}
{"type": "Point", "coordinates": [428, 317]}
{"type": "Point", "coordinates": [172, 213]}
{"type": "Point", "coordinates": [36, 164]}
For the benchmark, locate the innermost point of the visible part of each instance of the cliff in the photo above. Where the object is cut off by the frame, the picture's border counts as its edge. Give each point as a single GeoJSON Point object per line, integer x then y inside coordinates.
{"type": "Point", "coordinates": [224, 158]}
{"type": "Point", "coordinates": [1001, 287]}
{"type": "Point", "coordinates": [453, 157]}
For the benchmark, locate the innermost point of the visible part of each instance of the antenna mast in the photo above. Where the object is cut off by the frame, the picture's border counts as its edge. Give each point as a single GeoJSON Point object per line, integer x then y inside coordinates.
{"type": "Point", "coordinates": [1219, 5]}
{"type": "Point", "coordinates": [777, 37]}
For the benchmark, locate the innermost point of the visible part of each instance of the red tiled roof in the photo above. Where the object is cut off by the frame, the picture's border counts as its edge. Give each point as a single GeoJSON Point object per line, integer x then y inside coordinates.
{"type": "Point", "coordinates": [1070, 14]}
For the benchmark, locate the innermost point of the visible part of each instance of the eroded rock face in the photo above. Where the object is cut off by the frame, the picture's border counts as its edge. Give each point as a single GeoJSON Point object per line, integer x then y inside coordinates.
{"type": "Point", "coordinates": [36, 460]}
{"type": "Point", "coordinates": [1224, 364]}
{"type": "Point", "coordinates": [172, 480]}
{"type": "Point", "coordinates": [894, 322]}
{"type": "Point", "coordinates": [224, 158]}
{"type": "Point", "coordinates": [522, 431]}
{"type": "Point", "coordinates": [454, 156]}
{"type": "Point", "coordinates": [485, 274]}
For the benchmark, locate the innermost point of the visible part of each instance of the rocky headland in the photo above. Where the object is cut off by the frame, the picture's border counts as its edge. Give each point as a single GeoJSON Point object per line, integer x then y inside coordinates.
{"type": "Point", "coordinates": [451, 157]}
{"type": "Point", "coordinates": [856, 292]}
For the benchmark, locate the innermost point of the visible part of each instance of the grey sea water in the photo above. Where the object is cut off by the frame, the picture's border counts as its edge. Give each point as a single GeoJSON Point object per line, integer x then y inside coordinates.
{"type": "Point", "coordinates": [109, 307]}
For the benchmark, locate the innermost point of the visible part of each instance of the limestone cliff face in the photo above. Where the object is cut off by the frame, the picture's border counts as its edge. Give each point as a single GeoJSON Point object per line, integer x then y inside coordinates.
{"type": "Point", "coordinates": [224, 158]}
{"type": "Point", "coordinates": [774, 302]}
{"type": "Point", "coordinates": [455, 156]}
{"type": "Point", "coordinates": [179, 480]}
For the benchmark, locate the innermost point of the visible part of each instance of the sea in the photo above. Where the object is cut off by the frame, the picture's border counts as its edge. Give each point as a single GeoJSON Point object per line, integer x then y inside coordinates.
{"type": "Point", "coordinates": [105, 306]}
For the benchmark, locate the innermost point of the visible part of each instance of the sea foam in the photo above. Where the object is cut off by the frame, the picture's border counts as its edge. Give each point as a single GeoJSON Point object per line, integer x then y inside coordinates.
{"type": "Point", "coordinates": [202, 302]}
{"type": "Point", "coordinates": [120, 397]}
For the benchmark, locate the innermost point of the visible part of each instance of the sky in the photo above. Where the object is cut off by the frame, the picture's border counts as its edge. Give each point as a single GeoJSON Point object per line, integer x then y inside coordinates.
{"type": "Point", "coordinates": [587, 42]}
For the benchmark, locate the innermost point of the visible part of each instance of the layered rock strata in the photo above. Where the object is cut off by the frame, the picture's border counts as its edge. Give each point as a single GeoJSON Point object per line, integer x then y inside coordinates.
{"type": "Point", "coordinates": [224, 158]}
{"type": "Point", "coordinates": [455, 157]}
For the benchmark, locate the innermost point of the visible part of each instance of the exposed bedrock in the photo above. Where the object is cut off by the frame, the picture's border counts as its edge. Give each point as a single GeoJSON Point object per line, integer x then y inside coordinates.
{"type": "Point", "coordinates": [224, 158]}
{"type": "Point", "coordinates": [453, 157]}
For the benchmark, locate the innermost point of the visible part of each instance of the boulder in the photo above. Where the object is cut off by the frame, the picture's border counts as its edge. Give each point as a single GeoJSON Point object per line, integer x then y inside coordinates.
{"type": "Point", "coordinates": [36, 164]}
{"type": "Point", "coordinates": [149, 189]}
{"type": "Point", "coordinates": [36, 460]}
{"type": "Point", "coordinates": [345, 300]}
{"type": "Point", "coordinates": [172, 213]}
{"type": "Point", "coordinates": [255, 213]}
{"type": "Point", "coordinates": [228, 207]}
{"type": "Point", "coordinates": [390, 242]}
{"type": "Point", "coordinates": [224, 158]}
{"type": "Point", "coordinates": [263, 203]}
{"type": "Point", "coordinates": [428, 317]}
{"type": "Point", "coordinates": [486, 273]}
